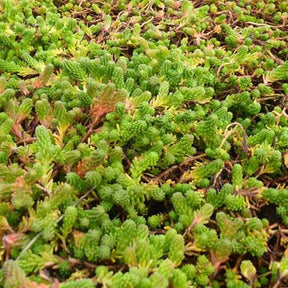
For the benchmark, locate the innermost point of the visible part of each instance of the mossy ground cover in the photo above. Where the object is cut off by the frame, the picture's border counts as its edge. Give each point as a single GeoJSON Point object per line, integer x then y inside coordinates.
{"type": "Point", "coordinates": [143, 143]}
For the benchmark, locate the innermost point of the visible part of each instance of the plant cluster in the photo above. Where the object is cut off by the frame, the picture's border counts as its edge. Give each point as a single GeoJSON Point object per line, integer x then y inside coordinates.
{"type": "Point", "coordinates": [143, 143]}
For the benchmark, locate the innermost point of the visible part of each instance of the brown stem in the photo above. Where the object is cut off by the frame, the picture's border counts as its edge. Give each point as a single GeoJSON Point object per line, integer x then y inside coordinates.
{"type": "Point", "coordinates": [26, 141]}
{"type": "Point", "coordinates": [278, 283]}
{"type": "Point", "coordinates": [95, 121]}
{"type": "Point", "coordinates": [158, 179]}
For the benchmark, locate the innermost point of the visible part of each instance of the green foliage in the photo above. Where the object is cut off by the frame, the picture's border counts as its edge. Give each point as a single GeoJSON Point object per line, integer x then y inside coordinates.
{"type": "Point", "coordinates": [74, 70]}
{"type": "Point", "coordinates": [85, 283]}
{"type": "Point", "coordinates": [148, 143]}
{"type": "Point", "coordinates": [176, 250]}
{"type": "Point", "coordinates": [70, 217]}
{"type": "Point", "coordinates": [206, 171]}
{"type": "Point", "coordinates": [279, 73]}
{"type": "Point", "coordinates": [248, 270]}
{"type": "Point", "coordinates": [237, 177]}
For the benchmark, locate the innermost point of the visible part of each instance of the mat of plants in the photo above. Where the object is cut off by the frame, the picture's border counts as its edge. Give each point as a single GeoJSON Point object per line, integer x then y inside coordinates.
{"type": "Point", "coordinates": [143, 143]}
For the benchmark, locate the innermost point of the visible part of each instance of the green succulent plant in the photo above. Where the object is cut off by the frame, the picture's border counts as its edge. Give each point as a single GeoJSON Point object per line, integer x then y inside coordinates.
{"type": "Point", "coordinates": [143, 143]}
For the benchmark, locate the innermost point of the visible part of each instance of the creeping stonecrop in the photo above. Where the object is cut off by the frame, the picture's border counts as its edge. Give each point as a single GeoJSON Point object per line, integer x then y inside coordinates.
{"type": "Point", "coordinates": [143, 143]}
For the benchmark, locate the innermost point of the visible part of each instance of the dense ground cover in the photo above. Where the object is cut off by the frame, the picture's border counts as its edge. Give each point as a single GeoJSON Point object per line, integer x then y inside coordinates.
{"type": "Point", "coordinates": [143, 143]}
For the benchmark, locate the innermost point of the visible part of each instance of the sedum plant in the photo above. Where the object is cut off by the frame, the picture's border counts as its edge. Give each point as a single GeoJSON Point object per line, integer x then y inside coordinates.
{"type": "Point", "coordinates": [143, 143]}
